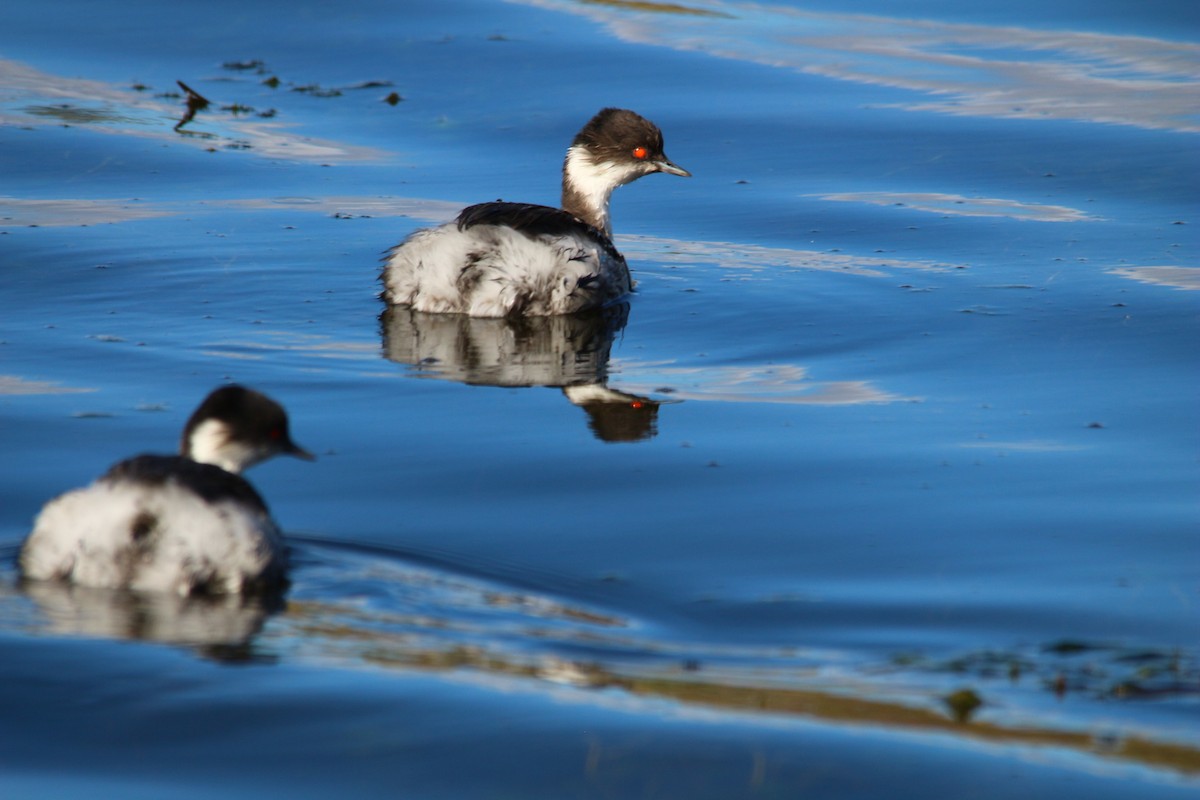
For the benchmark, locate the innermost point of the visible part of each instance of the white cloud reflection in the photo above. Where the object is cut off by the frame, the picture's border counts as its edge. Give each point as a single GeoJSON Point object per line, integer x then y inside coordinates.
{"type": "Point", "coordinates": [957, 205]}
{"type": "Point", "coordinates": [414, 207]}
{"type": "Point", "coordinates": [754, 383]}
{"type": "Point", "coordinates": [964, 69]}
{"type": "Point", "coordinates": [16, 385]}
{"type": "Point", "coordinates": [1176, 277]}
{"type": "Point", "coordinates": [734, 255]}
{"type": "Point", "coordinates": [75, 211]}
{"type": "Point", "coordinates": [19, 211]}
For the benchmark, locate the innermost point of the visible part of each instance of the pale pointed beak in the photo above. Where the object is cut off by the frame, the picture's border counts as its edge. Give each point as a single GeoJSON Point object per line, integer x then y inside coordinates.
{"type": "Point", "coordinates": [671, 168]}
{"type": "Point", "coordinates": [293, 449]}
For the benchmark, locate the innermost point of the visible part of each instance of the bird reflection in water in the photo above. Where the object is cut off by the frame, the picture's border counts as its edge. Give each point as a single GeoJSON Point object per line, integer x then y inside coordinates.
{"type": "Point", "coordinates": [221, 627]}
{"type": "Point", "coordinates": [569, 351]}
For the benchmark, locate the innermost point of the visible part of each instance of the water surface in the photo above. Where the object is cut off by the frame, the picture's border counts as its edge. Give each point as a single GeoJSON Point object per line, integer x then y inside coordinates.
{"type": "Point", "coordinates": [885, 477]}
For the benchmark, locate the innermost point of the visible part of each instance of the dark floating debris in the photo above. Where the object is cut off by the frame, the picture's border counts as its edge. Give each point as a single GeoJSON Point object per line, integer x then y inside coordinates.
{"type": "Point", "coordinates": [315, 90]}
{"type": "Point", "coordinates": [245, 66]}
{"type": "Point", "coordinates": [1062, 667]}
{"type": "Point", "coordinates": [195, 102]}
{"type": "Point", "coordinates": [1068, 647]}
{"type": "Point", "coordinates": [962, 704]}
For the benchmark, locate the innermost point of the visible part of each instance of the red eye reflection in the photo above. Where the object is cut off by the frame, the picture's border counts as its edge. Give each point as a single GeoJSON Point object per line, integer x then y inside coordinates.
{"type": "Point", "coordinates": [640, 152]}
{"type": "Point", "coordinates": [276, 433]}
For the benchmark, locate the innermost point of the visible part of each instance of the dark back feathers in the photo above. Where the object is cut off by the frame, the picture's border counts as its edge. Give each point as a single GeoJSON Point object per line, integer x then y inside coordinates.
{"type": "Point", "coordinates": [208, 481]}
{"type": "Point", "coordinates": [534, 221]}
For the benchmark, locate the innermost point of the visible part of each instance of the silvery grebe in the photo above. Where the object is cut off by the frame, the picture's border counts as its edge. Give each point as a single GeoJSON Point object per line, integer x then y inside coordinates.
{"type": "Point", "coordinates": [186, 524]}
{"type": "Point", "coordinates": [517, 259]}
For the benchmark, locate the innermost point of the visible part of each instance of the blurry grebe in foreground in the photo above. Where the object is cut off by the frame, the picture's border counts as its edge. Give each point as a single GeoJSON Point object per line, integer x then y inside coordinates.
{"type": "Point", "coordinates": [516, 259]}
{"type": "Point", "coordinates": [186, 524]}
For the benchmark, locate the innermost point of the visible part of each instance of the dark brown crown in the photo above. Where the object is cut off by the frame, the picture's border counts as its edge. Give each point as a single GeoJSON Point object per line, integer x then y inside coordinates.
{"type": "Point", "coordinates": [614, 133]}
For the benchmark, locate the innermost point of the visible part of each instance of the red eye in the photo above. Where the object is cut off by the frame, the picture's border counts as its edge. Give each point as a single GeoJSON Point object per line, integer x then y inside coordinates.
{"type": "Point", "coordinates": [276, 433]}
{"type": "Point", "coordinates": [640, 152]}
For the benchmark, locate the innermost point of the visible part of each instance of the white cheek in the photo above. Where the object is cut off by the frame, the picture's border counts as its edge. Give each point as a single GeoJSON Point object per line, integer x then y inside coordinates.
{"type": "Point", "coordinates": [596, 181]}
{"type": "Point", "coordinates": [206, 440]}
{"type": "Point", "coordinates": [210, 444]}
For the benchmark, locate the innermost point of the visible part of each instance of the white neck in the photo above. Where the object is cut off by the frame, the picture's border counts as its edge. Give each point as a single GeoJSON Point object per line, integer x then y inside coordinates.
{"type": "Point", "coordinates": [587, 187]}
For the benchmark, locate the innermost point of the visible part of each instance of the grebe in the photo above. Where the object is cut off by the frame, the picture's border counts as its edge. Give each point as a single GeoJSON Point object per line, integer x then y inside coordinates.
{"type": "Point", "coordinates": [517, 259]}
{"type": "Point", "coordinates": [186, 524]}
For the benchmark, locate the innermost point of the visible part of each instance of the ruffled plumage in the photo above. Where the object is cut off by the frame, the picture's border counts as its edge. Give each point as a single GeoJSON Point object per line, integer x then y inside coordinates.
{"type": "Point", "coordinates": [175, 523]}
{"type": "Point", "coordinates": [517, 259]}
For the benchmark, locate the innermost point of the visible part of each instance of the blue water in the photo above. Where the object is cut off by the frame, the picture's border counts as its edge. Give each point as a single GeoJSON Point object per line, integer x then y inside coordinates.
{"type": "Point", "coordinates": [915, 353]}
